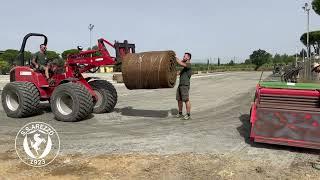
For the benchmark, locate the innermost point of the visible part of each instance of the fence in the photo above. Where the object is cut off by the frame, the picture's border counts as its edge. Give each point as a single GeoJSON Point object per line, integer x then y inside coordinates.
{"type": "Point", "coordinates": [236, 67]}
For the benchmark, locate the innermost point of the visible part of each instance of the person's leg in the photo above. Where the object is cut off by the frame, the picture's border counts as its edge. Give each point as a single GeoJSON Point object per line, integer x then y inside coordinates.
{"type": "Point", "coordinates": [46, 72]}
{"type": "Point", "coordinates": [51, 81]}
{"type": "Point", "coordinates": [180, 103]}
{"type": "Point", "coordinates": [188, 107]}
{"type": "Point", "coordinates": [185, 98]}
{"type": "Point", "coordinates": [180, 106]}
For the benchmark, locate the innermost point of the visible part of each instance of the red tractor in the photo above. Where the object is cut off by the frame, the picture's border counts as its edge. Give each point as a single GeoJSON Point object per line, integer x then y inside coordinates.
{"type": "Point", "coordinates": [72, 97]}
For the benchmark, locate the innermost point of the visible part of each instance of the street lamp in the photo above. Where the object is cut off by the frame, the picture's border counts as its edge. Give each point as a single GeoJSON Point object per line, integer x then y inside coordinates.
{"type": "Point", "coordinates": [90, 27]}
{"type": "Point", "coordinates": [306, 9]}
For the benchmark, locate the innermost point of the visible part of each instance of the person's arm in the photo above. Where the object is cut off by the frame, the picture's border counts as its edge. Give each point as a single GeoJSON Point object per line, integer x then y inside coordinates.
{"type": "Point", "coordinates": [183, 64]}
{"type": "Point", "coordinates": [34, 62]}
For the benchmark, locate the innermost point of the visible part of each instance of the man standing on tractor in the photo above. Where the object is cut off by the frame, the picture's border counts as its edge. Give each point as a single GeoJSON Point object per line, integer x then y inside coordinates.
{"type": "Point", "coordinates": [40, 61]}
{"type": "Point", "coordinates": [184, 86]}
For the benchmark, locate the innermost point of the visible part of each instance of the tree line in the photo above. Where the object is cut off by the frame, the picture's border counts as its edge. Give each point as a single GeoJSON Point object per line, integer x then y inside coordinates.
{"type": "Point", "coordinates": [8, 58]}
{"type": "Point", "coordinates": [257, 58]}
{"type": "Point", "coordinates": [261, 57]}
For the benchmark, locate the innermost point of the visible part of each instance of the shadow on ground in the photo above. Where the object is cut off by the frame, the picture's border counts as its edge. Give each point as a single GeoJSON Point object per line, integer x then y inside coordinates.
{"type": "Point", "coordinates": [244, 131]}
{"type": "Point", "coordinates": [129, 111]}
{"type": "Point", "coordinates": [45, 108]}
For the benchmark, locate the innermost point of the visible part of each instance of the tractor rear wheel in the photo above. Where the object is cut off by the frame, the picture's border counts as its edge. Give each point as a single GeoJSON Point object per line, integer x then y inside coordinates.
{"type": "Point", "coordinates": [20, 99]}
{"type": "Point", "coordinates": [71, 102]}
{"type": "Point", "coordinates": [107, 96]}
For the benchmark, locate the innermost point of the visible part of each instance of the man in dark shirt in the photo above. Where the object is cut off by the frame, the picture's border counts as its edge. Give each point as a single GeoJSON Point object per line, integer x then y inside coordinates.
{"type": "Point", "coordinates": [184, 86]}
{"type": "Point", "coordinates": [40, 62]}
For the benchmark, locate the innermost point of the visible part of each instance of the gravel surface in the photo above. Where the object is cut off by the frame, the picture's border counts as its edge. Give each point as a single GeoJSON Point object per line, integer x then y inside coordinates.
{"type": "Point", "coordinates": [143, 123]}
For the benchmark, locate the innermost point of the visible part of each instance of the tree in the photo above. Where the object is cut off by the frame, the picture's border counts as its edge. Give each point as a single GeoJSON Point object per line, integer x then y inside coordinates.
{"type": "Point", "coordinates": [248, 61]}
{"type": "Point", "coordinates": [287, 59]}
{"type": "Point", "coordinates": [314, 40]}
{"type": "Point", "coordinates": [10, 56]}
{"type": "Point", "coordinates": [277, 59]}
{"type": "Point", "coordinates": [303, 53]}
{"type": "Point", "coordinates": [4, 66]}
{"type": "Point", "coordinates": [52, 55]}
{"type": "Point", "coordinates": [231, 63]}
{"type": "Point", "coordinates": [316, 6]}
{"type": "Point", "coordinates": [95, 47]}
{"type": "Point", "coordinates": [218, 61]}
{"type": "Point", "coordinates": [259, 57]}
{"type": "Point", "coordinates": [68, 52]}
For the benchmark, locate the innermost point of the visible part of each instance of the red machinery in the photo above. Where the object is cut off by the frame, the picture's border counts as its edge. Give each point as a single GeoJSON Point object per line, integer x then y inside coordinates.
{"type": "Point", "coordinates": [72, 97]}
{"type": "Point", "coordinates": [286, 114]}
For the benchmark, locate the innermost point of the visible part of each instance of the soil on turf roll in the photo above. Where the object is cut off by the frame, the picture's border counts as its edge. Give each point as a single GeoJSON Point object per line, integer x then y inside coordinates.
{"type": "Point", "coordinates": [149, 70]}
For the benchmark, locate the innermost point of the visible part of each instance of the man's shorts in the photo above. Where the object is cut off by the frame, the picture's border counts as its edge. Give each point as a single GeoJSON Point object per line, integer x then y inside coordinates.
{"type": "Point", "coordinates": [183, 93]}
{"type": "Point", "coordinates": [42, 68]}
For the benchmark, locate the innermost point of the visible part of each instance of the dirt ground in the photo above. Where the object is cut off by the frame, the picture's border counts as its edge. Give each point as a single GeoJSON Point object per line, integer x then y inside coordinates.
{"type": "Point", "coordinates": [141, 139]}
{"type": "Point", "coordinates": [142, 166]}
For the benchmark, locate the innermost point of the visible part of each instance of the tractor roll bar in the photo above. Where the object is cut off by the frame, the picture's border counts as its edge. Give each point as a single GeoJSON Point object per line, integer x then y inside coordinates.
{"type": "Point", "coordinates": [21, 52]}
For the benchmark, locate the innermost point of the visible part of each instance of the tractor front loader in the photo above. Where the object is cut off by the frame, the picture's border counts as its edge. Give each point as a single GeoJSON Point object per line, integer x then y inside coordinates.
{"type": "Point", "coordinates": [72, 97]}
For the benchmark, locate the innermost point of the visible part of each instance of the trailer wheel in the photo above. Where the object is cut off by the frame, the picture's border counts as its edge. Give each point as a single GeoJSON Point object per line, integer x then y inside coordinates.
{"type": "Point", "coordinates": [107, 96]}
{"type": "Point", "coordinates": [71, 102]}
{"type": "Point", "coordinates": [20, 99]}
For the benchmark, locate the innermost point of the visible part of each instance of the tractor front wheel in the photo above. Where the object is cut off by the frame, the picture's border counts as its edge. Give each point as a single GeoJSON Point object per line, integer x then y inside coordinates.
{"type": "Point", "coordinates": [107, 96]}
{"type": "Point", "coordinates": [71, 102]}
{"type": "Point", "coordinates": [20, 99]}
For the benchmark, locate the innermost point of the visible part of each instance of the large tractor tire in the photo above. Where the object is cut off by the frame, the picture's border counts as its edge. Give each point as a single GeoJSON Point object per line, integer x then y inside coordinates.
{"type": "Point", "coordinates": [107, 96]}
{"type": "Point", "coordinates": [71, 102]}
{"type": "Point", "coordinates": [20, 99]}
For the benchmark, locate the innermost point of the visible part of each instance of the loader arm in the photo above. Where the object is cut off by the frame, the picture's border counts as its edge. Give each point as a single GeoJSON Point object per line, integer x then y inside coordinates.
{"type": "Point", "coordinates": [90, 59]}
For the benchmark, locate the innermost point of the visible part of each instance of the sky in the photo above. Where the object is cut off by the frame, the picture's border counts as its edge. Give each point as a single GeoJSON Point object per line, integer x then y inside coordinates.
{"type": "Point", "coordinates": [207, 28]}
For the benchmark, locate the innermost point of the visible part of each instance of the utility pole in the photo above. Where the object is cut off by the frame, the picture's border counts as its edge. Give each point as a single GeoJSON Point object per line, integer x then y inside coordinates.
{"type": "Point", "coordinates": [90, 27]}
{"type": "Point", "coordinates": [306, 9]}
{"type": "Point", "coordinates": [296, 56]}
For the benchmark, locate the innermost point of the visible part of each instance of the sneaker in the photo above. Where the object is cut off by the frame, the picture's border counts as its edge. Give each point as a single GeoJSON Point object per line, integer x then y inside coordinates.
{"type": "Point", "coordinates": [179, 115]}
{"type": "Point", "coordinates": [186, 117]}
